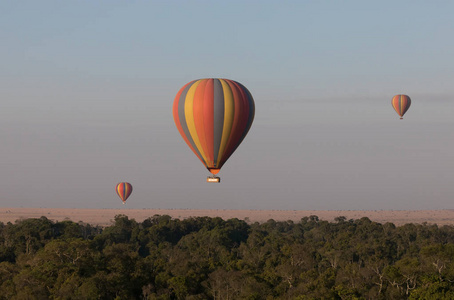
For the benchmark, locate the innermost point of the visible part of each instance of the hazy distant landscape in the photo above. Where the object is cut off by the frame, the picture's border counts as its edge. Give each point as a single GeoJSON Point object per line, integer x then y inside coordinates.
{"type": "Point", "coordinates": [105, 217]}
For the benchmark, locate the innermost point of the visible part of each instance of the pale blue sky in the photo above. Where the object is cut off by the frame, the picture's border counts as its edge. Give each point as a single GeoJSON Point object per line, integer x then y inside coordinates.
{"type": "Point", "coordinates": [86, 90]}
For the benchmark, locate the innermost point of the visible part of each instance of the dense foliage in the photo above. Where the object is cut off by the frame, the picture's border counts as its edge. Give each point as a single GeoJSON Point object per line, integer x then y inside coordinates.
{"type": "Point", "coordinates": [210, 258]}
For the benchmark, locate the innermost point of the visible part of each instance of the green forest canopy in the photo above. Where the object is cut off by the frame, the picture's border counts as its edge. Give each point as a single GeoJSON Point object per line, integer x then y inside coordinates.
{"type": "Point", "coordinates": [212, 258]}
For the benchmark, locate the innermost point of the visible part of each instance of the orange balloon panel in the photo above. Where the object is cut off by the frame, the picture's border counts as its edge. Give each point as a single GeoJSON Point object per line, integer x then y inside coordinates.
{"type": "Point", "coordinates": [213, 116]}
{"type": "Point", "coordinates": [401, 104]}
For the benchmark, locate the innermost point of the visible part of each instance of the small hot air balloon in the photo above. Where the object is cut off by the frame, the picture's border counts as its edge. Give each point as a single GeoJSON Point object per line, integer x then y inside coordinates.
{"type": "Point", "coordinates": [213, 116]}
{"type": "Point", "coordinates": [401, 104]}
{"type": "Point", "coordinates": [123, 189]}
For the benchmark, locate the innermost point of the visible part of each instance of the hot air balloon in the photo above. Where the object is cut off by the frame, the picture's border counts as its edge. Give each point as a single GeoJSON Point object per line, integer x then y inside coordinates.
{"type": "Point", "coordinates": [123, 189]}
{"type": "Point", "coordinates": [213, 116]}
{"type": "Point", "coordinates": [401, 104]}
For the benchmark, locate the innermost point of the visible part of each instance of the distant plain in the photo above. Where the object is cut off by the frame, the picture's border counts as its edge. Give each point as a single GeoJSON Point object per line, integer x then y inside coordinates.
{"type": "Point", "coordinates": [105, 217]}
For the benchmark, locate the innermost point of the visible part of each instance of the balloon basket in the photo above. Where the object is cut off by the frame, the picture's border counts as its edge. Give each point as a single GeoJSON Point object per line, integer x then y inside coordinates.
{"type": "Point", "coordinates": [213, 179]}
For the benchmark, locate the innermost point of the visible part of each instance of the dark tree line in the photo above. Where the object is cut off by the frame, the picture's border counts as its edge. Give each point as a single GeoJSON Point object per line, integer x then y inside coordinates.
{"type": "Point", "coordinates": [212, 258]}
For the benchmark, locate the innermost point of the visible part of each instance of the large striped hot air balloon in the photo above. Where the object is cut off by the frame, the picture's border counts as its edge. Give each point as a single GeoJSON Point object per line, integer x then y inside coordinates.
{"type": "Point", "coordinates": [213, 116]}
{"type": "Point", "coordinates": [123, 189]}
{"type": "Point", "coordinates": [401, 104]}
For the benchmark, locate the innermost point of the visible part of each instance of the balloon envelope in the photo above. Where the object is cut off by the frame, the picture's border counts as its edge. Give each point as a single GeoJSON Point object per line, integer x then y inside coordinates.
{"type": "Point", "coordinates": [213, 116]}
{"type": "Point", "coordinates": [401, 104]}
{"type": "Point", "coordinates": [123, 189]}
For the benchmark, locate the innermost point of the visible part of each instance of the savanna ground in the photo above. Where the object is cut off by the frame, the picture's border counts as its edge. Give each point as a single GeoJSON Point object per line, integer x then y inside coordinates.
{"type": "Point", "coordinates": [105, 217]}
